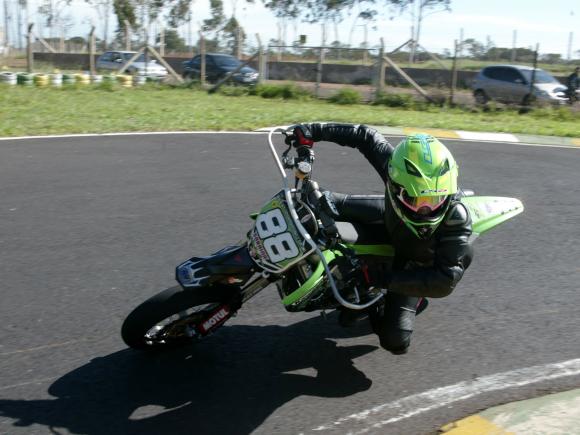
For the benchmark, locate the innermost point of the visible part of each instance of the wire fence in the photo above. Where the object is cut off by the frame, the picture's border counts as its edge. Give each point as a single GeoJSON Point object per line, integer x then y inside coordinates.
{"type": "Point", "coordinates": [408, 68]}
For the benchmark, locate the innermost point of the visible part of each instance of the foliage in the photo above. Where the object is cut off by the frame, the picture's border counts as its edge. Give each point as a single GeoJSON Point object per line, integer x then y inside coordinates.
{"type": "Point", "coordinates": [234, 91]}
{"type": "Point", "coordinates": [346, 96]}
{"type": "Point", "coordinates": [173, 42]}
{"type": "Point", "coordinates": [285, 92]}
{"type": "Point", "coordinates": [405, 101]}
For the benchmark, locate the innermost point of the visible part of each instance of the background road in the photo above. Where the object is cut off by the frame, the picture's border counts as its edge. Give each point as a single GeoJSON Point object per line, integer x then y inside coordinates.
{"type": "Point", "coordinates": [90, 227]}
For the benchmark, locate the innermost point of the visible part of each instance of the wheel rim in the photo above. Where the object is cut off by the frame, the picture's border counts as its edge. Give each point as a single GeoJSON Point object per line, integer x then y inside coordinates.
{"type": "Point", "coordinates": [480, 98]}
{"type": "Point", "coordinates": [178, 327]}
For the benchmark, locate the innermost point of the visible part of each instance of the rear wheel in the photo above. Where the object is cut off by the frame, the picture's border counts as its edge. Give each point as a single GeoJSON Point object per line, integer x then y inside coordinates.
{"type": "Point", "coordinates": [173, 317]}
{"type": "Point", "coordinates": [480, 97]}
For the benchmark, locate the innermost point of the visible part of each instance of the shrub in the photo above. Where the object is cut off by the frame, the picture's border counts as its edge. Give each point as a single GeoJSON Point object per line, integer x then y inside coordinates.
{"type": "Point", "coordinates": [346, 96]}
{"type": "Point", "coordinates": [395, 100]}
{"type": "Point", "coordinates": [286, 92]}
{"type": "Point", "coordinates": [234, 91]}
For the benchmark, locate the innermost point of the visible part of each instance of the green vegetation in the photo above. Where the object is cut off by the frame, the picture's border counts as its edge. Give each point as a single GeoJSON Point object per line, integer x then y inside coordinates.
{"type": "Point", "coordinates": [346, 96]}
{"type": "Point", "coordinates": [35, 111]}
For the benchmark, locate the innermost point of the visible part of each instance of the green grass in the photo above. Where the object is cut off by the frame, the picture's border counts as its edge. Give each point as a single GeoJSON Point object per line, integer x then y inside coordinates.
{"type": "Point", "coordinates": [33, 111]}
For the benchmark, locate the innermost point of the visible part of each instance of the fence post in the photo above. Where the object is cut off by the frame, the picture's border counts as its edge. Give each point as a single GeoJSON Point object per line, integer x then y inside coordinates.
{"type": "Point", "coordinates": [319, 71]}
{"type": "Point", "coordinates": [127, 36]}
{"type": "Point", "coordinates": [92, 51]}
{"type": "Point", "coordinates": [381, 70]}
{"type": "Point", "coordinates": [29, 58]}
{"type": "Point", "coordinates": [453, 75]}
{"type": "Point", "coordinates": [532, 96]}
{"type": "Point", "coordinates": [202, 54]}
{"type": "Point", "coordinates": [239, 42]}
{"type": "Point", "coordinates": [261, 72]}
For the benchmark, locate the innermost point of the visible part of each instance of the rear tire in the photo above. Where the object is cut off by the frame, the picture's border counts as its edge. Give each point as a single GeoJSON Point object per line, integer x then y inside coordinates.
{"type": "Point", "coordinates": [164, 321]}
{"type": "Point", "coordinates": [481, 97]}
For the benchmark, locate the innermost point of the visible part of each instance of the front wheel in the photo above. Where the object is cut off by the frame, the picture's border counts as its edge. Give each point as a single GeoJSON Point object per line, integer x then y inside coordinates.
{"type": "Point", "coordinates": [175, 317]}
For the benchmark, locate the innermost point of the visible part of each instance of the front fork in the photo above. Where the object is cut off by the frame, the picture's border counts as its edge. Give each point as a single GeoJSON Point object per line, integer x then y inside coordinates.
{"type": "Point", "coordinates": [224, 311]}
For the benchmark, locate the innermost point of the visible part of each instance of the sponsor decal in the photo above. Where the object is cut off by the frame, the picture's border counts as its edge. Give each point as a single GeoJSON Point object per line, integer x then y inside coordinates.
{"type": "Point", "coordinates": [434, 191]}
{"type": "Point", "coordinates": [216, 319]}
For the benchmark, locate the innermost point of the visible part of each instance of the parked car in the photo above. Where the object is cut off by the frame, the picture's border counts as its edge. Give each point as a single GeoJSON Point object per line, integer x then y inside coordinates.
{"type": "Point", "coordinates": [114, 60]}
{"type": "Point", "coordinates": [511, 84]}
{"type": "Point", "coordinates": [217, 66]}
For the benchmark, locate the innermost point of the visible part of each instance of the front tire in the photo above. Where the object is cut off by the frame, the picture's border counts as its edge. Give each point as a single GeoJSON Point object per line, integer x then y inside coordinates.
{"type": "Point", "coordinates": [168, 319]}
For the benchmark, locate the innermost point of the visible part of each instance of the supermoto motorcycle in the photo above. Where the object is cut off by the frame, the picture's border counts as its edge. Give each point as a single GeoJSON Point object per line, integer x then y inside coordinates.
{"type": "Point", "coordinates": [316, 262]}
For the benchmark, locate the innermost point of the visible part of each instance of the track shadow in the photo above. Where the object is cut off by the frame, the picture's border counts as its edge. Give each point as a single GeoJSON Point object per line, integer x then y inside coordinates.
{"type": "Point", "coordinates": [228, 385]}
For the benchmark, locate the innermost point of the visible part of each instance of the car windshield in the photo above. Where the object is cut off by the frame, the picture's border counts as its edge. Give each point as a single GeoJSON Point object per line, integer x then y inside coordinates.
{"type": "Point", "coordinates": [226, 61]}
{"type": "Point", "coordinates": [540, 77]}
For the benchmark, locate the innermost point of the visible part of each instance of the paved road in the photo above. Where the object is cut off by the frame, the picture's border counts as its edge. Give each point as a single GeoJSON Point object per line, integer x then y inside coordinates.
{"type": "Point", "coordinates": [89, 227]}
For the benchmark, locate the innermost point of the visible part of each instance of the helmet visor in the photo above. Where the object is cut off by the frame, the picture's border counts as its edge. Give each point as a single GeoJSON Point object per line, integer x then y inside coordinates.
{"type": "Point", "coordinates": [422, 205]}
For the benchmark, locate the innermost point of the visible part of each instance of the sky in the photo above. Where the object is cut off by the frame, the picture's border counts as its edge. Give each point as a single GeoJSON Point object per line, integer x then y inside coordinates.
{"type": "Point", "coordinates": [546, 23]}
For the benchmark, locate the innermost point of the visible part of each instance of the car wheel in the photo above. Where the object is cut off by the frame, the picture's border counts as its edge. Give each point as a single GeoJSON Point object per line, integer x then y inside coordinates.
{"type": "Point", "coordinates": [481, 97]}
{"type": "Point", "coordinates": [528, 99]}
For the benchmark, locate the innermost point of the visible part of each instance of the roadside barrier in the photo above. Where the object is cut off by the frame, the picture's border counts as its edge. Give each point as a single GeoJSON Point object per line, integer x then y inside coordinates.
{"type": "Point", "coordinates": [68, 79]}
{"type": "Point", "coordinates": [56, 80]}
{"type": "Point", "coordinates": [125, 80]}
{"type": "Point", "coordinates": [41, 80]}
{"type": "Point", "coordinates": [8, 78]}
{"type": "Point", "coordinates": [24, 79]}
{"type": "Point", "coordinates": [140, 80]}
{"type": "Point", "coordinates": [83, 79]}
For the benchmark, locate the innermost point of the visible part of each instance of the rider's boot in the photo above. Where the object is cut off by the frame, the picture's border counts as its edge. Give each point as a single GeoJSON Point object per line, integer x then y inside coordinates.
{"type": "Point", "coordinates": [395, 325]}
{"type": "Point", "coordinates": [348, 317]}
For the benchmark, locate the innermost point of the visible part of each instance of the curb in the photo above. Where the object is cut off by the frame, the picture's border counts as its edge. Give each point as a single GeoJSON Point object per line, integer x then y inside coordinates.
{"type": "Point", "coordinates": [472, 135]}
{"type": "Point", "coordinates": [483, 136]}
{"type": "Point", "coordinates": [547, 415]}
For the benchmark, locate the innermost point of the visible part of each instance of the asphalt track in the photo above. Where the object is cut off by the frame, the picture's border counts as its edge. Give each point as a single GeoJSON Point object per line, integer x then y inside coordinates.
{"type": "Point", "coordinates": [91, 226]}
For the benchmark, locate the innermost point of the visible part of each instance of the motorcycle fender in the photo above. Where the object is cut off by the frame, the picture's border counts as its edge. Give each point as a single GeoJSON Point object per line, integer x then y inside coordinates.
{"type": "Point", "coordinates": [228, 263]}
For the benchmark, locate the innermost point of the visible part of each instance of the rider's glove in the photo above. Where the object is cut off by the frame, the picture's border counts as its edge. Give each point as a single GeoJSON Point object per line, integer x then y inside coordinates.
{"type": "Point", "coordinates": [299, 135]}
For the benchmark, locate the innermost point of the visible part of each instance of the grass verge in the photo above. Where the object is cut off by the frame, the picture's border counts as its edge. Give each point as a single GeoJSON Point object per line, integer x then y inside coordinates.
{"type": "Point", "coordinates": [35, 111]}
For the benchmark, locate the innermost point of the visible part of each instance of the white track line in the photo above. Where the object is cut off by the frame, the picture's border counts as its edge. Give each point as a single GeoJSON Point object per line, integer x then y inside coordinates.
{"type": "Point", "coordinates": [136, 133]}
{"type": "Point", "coordinates": [261, 131]}
{"type": "Point", "coordinates": [392, 412]}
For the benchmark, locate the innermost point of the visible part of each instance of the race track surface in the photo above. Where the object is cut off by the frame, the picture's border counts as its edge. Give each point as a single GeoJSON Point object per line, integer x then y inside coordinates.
{"type": "Point", "coordinates": [92, 226]}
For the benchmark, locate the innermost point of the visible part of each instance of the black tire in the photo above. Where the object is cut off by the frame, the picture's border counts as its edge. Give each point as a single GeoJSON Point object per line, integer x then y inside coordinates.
{"type": "Point", "coordinates": [481, 97]}
{"type": "Point", "coordinates": [528, 100]}
{"type": "Point", "coordinates": [172, 310]}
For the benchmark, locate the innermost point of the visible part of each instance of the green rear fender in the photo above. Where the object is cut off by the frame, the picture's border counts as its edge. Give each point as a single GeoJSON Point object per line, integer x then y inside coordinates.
{"type": "Point", "coordinates": [488, 212]}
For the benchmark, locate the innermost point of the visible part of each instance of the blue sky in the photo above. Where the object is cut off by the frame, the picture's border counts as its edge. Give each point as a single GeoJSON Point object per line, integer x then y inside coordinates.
{"type": "Point", "coordinates": [546, 23]}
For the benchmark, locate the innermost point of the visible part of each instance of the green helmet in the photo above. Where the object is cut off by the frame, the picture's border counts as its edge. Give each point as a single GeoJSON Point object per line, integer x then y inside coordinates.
{"type": "Point", "coordinates": [422, 180]}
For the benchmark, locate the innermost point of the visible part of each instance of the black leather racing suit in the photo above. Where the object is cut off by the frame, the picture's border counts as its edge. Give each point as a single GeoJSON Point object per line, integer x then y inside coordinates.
{"type": "Point", "coordinates": [422, 267]}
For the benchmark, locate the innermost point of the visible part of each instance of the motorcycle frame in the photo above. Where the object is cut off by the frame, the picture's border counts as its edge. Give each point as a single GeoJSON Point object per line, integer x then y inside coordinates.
{"type": "Point", "coordinates": [306, 236]}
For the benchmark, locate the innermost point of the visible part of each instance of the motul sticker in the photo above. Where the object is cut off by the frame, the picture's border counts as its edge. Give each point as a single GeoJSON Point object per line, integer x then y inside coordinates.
{"type": "Point", "coordinates": [216, 319]}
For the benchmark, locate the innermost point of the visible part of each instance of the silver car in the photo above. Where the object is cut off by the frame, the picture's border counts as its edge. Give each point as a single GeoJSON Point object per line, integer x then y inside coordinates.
{"type": "Point", "coordinates": [114, 60]}
{"type": "Point", "coordinates": [511, 84]}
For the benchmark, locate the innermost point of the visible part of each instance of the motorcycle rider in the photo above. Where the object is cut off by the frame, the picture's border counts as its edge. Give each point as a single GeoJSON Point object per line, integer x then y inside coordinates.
{"type": "Point", "coordinates": [425, 222]}
{"type": "Point", "coordinates": [573, 84]}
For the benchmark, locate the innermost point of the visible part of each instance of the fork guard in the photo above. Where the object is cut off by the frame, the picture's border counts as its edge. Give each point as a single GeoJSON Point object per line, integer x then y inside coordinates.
{"type": "Point", "coordinates": [230, 265]}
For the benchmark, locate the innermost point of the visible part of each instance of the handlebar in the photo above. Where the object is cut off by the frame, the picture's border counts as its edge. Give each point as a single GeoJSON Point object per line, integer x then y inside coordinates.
{"type": "Point", "coordinates": [306, 155]}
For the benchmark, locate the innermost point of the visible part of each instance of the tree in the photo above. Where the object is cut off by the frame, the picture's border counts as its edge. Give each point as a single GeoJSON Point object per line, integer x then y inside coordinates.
{"type": "Point", "coordinates": [53, 13]}
{"type": "Point", "coordinates": [475, 48]}
{"type": "Point", "coordinates": [103, 8]}
{"type": "Point", "coordinates": [233, 35]}
{"type": "Point", "coordinates": [419, 9]}
{"type": "Point", "coordinates": [173, 42]}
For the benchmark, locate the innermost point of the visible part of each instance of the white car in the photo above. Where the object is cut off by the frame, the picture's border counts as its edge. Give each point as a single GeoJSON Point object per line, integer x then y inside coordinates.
{"type": "Point", "coordinates": [114, 60]}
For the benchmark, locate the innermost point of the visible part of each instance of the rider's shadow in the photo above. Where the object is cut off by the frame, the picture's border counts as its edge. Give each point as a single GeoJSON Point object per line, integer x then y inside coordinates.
{"type": "Point", "coordinates": [228, 384]}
